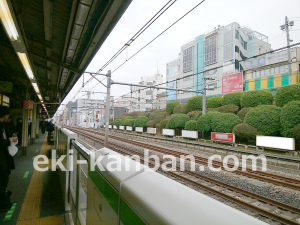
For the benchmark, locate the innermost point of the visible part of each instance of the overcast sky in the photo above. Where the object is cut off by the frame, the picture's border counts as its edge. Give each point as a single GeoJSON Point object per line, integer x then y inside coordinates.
{"type": "Point", "coordinates": [264, 16]}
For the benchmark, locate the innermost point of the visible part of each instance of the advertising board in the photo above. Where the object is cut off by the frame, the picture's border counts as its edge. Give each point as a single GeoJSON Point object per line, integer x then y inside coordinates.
{"type": "Point", "coordinates": [275, 142]}
{"type": "Point", "coordinates": [121, 127]}
{"type": "Point", "coordinates": [232, 83]}
{"type": "Point", "coordinates": [226, 137]}
{"type": "Point", "coordinates": [190, 134]}
{"type": "Point", "coordinates": [151, 130]}
{"type": "Point", "coordinates": [129, 128]}
{"type": "Point", "coordinates": [139, 129]}
{"type": "Point", "coordinates": [168, 132]}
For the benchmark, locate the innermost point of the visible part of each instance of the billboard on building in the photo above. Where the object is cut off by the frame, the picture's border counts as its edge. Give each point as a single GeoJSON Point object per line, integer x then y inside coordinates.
{"type": "Point", "coordinates": [267, 60]}
{"type": "Point", "coordinates": [232, 83]}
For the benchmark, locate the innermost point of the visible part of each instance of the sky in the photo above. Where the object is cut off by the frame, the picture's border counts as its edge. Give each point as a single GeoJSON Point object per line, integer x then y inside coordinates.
{"type": "Point", "coordinates": [264, 16]}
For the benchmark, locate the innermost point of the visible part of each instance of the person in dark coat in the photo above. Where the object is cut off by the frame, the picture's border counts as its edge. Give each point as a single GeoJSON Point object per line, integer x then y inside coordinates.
{"type": "Point", "coordinates": [5, 159]}
{"type": "Point", "coordinates": [42, 126]}
{"type": "Point", "coordinates": [19, 129]}
{"type": "Point", "coordinates": [50, 128]}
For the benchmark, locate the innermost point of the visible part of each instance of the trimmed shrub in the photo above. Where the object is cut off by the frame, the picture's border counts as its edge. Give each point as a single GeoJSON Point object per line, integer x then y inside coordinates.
{"type": "Point", "coordinates": [224, 122]}
{"type": "Point", "coordinates": [136, 114]}
{"type": "Point", "coordinates": [287, 94]}
{"type": "Point", "coordinates": [289, 118]}
{"type": "Point", "coordinates": [265, 118]}
{"type": "Point", "coordinates": [245, 132]}
{"type": "Point", "coordinates": [129, 122]}
{"type": "Point", "coordinates": [170, 106]}
{"type": "Point", "coordinates": [191, 125]}
{"type": "Point", "coordinates": [214, 102]}
{"type": "Point", "coordinates": [183, 109]}
{"type": "Point", "coordinates": [153, 114]}
{"type": "Point", "coordinates": [255, 98]}
{"type": "Point", "coordinates": [141, 121]}
{"type": "Point", "coordinates": [232, 98]}
{"type": "Point", "coordinates": [194, 103]}
{"type": "Point", "coordinates": [296, 132]}
{"type": "Point", "coordinates": [125, 120]}
{"type": "Point", "coordinates": [162, 125]}
{"type": "Point", "coordinates": [177, 108]}
{"type": "Point", "coordinates": [118, 122]}
{"type": "Point", "coordinates": [193, 114]}
{"type": "Point", "coordinates": [204, 122]}
{"type": "Point", "coordinates": [111, 121]}
{"type": "Point", "coordinates": [178, 121]}
{"type": "Point", "coordinates": [243, 113]}
{"type": "Point", "coordinates": [151, 123]}
{"type": "Point", "coordinates": [158, 118]}
{"type": "Point", "coordinates": [228, 109]}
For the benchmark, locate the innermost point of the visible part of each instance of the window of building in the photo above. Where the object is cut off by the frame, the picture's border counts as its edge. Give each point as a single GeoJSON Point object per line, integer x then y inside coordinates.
{"type": "Point", "coordinates": [237, 49]}
{"type": "Point", "coordinates": [242, 56]}
{"type": "Point", "coordinates": [241, 68]}
{"type": "Point", "coordinates": [243, 43]}
{"type": "Point", "coordinates": [277, 70]}
{"type": "Point", "coordinates": [178, 68]}
{"type": "Point", "coordinates": [187, 59]}
{"type": "Point", "coordinates": [237, 34]}
{"type": "Point", "coordinates": [139, 99]}
{"type": "Point", "coordinates": [237, 64]}
{"type": "Point", "coordinates": [228, 52]}
{"type": "Point", "coordinates": [272, 70]}
{"type": "Point", "coordinates": [211, 50]}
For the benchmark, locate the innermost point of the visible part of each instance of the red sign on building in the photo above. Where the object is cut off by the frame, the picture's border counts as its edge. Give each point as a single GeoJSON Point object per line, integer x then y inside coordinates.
{"type": "Point", "coordinates": [232, 83]}
{"type": "Point", "coordinates": [226, 137]}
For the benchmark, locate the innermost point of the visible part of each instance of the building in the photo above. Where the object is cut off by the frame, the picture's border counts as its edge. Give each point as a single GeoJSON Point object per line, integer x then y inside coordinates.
{"type": "Point", "coordinates": [161, 100]}
{"type": "Point", "coordinates": [215, 55]}
{"type": "Point", "coordinates": [271, 71]}
{"type": "Point", "coordinates": [128, 101]}
{"type": "Point", "coordinates": [145, 96]}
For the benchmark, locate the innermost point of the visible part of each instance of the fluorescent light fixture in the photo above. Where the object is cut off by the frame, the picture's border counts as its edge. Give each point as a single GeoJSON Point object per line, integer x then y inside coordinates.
{"type": "Point", "coordinates": [26, 64]}
{"type": "Point", "coordinates": [36, 88]}
{"type": "Point", "coordinates": [40, 97]}
{"type": "Point", "coordinates": [7, 20]}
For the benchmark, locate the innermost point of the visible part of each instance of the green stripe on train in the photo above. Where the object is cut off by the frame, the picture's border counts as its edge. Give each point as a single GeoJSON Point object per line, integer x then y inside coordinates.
{"type": "Point", "coordinates": [127, 216]}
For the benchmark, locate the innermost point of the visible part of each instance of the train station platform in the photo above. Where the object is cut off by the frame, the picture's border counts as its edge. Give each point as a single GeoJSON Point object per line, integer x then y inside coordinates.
{"type": "Point", "coordinates": [36, 196]}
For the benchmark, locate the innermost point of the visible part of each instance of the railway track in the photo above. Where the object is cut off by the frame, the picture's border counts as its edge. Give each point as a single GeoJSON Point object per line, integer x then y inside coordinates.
{"type": "Point", "coordinates": [272, 209]}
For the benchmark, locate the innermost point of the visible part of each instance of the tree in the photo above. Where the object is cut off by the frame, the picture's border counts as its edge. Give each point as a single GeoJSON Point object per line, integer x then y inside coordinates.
{"type": "Point", "coordinates": [265, 118]}
{"type": "Point", "coordinates": [245, 132]}
{"type": "Point", "coordinates": [141, 121]}
{"type": "Point", "coordinates": [214, 102]}
{"type": "Point", "coordinates": [194, 103]}
{"type": "Point", "coordinates": [255, 98]}
{"type": "Point", "coordinates": [289, 118]}
{"type": "Point", "coordinates": [286, 94]}
{"type": "Point", "coordinates": [232, 99]}
{"type": "Point", "coordinates": [170, 106]}
{"type": "Point", "coordinates": [178, 121]}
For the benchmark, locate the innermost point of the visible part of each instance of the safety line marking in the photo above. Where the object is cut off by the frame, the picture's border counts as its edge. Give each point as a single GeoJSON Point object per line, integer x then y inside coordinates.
{"type": "Point", "coordinates": [26, 174]}
{"type": "Point", "coordinates": [10, 213]}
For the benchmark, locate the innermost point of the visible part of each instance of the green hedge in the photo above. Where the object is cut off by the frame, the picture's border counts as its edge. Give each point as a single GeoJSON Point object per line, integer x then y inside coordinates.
{"type": "Point", "coordinates": [228, 109]}
{"type": "Point", "coordinates": [178, 121]}
{"type": "Point", "coordinates": [242, 113]}
{"type": "Point", "coordinates": [214, 102]}
{"type": "Point", "coordinates": [178, 108]}
{"type": "Point", "coordinates": [193, 114]}
{"type": "Point", "coordinates": [191, 125]}
{"type": "Point", "coordinates": [159, 118]}
{"type": "Point", "coordinates": [117, 122]}
{"type": "Point", "coordinates": [296, 132]}
{"type": "Point", "coordinates": [194, 103]}
{"type": "Point", "coordinates": [162, 125]}
{"type": "Point", "coordinates": [156, 113]}
{"type": "Point", "coordinates": [170, 106]}
{"type": "Point", "coordinates": [245, 132]}
{"type": "Point", "coordinates": [289, 118]}
{"type": "Point", "coordinates": [124, 122]}
{"type": "Point", "coordinates": [141, 121]}
{"type": "Point", "coordinates": [184, 109]}
{"type": "Point", "coordinates": [232, 99]}
{"type": "Point", "coordinates": [151, 123]}
{"type": "Point", "coordinates": [204, 122]}
{"type": "Point", "coordinates": [224, 122]}
{"type": "Point", "coordinates": [129, 122]}
{"type": "Point", "coordinates": [265, 118]}
{"type": "Point", "coordinates": [255, 98]}
{"type": "Point", "coordinates": [287, 94]}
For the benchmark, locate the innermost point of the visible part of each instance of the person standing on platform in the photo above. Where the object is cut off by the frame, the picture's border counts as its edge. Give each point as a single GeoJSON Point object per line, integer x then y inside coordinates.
{"type": "Point", "coordinates": [5, 159]}
{"type": "Point", "coordinates": [50, 128]}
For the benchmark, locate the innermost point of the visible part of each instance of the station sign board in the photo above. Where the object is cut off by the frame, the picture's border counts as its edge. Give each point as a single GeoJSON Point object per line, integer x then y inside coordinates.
{"type": "Point", "coordinates": [151, 130]}
{"type": "Point", "coordinates": [5, 100]}
{"type": "Point", "coordinates": [226, 137]}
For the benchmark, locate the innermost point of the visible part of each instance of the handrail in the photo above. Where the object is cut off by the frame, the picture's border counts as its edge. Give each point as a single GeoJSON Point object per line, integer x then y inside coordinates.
{"type": "Point", "coordinates": [81, 149]}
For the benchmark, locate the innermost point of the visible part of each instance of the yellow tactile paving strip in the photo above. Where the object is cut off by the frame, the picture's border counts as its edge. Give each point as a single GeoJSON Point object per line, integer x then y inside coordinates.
{"type": "Point", "coordinates": [30, 211]}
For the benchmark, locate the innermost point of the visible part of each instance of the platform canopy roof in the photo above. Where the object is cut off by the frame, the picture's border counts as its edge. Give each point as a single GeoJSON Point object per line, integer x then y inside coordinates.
{"type": "Point", "coordinates": [49, 43]}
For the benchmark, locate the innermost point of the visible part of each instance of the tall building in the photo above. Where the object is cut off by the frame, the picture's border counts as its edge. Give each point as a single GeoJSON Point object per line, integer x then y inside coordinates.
{"type": "Point", "coordinates": [214, 55]}
{"type": "Point", "coordinates": [145, 96]}
{"type": "Point", "coordinates": [271, 71]}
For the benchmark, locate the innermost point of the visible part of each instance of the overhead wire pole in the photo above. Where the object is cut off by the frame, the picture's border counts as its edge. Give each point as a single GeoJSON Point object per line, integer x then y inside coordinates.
{"type": "Point", "coordinates": [107, 102]}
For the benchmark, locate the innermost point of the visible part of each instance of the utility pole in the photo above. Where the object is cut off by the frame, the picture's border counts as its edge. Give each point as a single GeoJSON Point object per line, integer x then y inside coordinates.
{"type": "Point", "coordinates": [286, 28]}
{"type": "Point", "coordinates": [107, 107]}
{"type": "Point", "coordinates": [204, 94]}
